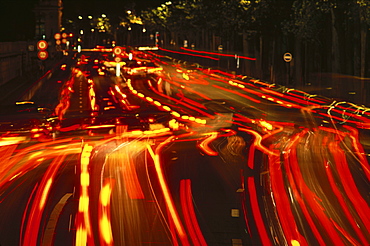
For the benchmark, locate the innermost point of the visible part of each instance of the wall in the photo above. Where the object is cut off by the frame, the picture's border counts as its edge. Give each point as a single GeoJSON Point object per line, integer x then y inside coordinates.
{"type": "Point", "coordinates": [15, 59]}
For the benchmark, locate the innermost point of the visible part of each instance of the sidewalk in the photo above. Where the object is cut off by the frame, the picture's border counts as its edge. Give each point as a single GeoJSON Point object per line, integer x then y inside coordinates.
{"type": "Point", "coordinates": [12, 90]}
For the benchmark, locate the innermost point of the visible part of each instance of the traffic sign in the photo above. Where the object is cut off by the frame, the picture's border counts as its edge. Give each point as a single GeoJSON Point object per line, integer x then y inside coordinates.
{"type": "Point", "coordinates": [58, 42]}
{"type": "Point", "coordinates": [64, 35]}
{"type": "Point", "coordinates": [117, 50]}
{"type": "Point", "coordinates": [117, 59]}
{"type": "Point", "coordinates": [42, 54]}
{"type": "Point", "coordinates": [287, 57]}
{"type": "Point", "coordinates": [42, 45]}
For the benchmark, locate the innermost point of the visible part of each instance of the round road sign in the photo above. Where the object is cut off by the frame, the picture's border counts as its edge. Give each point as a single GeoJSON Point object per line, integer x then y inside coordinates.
{"type": "Point", "coordinates": [117, 59]}
{"type": "Point", "coordinates": [42, 45]}
{"type": "Point", "coordinates": [57, 36]}
{"type": "Point", "coordinates": [42, 55]}
{"type": "Point", "coordinates": [287, 57]}
{"type": "Point", "coordinates": [117, 50]}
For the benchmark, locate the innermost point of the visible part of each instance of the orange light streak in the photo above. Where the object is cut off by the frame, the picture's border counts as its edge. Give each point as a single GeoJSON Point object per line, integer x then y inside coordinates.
{"type": "Point", "coordinates": [204, 144]}
{"type": "Point", "coordinates": [37, 208]}
{"type": "Point", "coordinates": [82, 220]}
{"type": "Point", "coordinates": [105, 227]}
{"type": "Point", "coordinates": [174, 217]}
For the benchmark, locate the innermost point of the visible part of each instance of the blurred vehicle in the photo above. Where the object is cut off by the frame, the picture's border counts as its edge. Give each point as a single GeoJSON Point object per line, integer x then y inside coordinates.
{"type": "Point", "coordinates": [26, 118]}
{"type": "Point", "coordinates": [141, 68]}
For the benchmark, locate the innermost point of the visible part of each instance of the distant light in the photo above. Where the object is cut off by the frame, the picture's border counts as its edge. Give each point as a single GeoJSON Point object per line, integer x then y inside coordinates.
{"type": "Point", "coordinates": [80, 17]}
{"type": "Point", "coordinates": [144, 30]}
{"type": "Point", "coordinates": [81, 32]}
{"type": "Point", "coordinates": [168, 3]}
{"type": "Point", "coordinates": [129, 28]}
{"type": "Point", "coordinates": [90, 17]}
{"type": "Point", "coordinates": [129, 12]}
{"type": "Point", "coordinates": [103, 15]}
{"type": "Point", "coordinates": [92, 30]}
{"type": "Point", "coordinates": [118, 69]}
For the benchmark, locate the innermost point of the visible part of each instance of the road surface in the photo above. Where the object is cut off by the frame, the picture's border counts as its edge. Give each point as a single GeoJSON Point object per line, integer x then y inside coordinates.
{"type": "Point", "coordinates": [166, 153]}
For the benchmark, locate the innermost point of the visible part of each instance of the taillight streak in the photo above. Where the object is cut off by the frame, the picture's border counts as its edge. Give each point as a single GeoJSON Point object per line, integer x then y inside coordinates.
{"type": "Point", "coordinates": [189, 214]}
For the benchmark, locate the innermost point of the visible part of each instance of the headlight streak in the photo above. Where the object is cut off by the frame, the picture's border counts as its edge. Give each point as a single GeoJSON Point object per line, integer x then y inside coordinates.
{"type": "Point", "coordinates": [35, 214]}
{"type": "Point", "coordinates": [6, 152]}
{"type": "Point", "coordinates": [12, 165]}
{"type": "Point", "coordinates": [105, 228]}
{"type": "Point", "coordinates": [174, 113]}
{"type": "Point", "coordinates": [186, 103]}
{"type": "Point", "coordinates": [123, 156]}
{"type": "Point", "coordinates": [82, 221]}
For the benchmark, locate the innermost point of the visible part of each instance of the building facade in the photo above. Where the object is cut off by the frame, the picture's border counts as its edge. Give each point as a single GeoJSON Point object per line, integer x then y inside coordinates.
{"type": "Point", "coordinates": [48, 14]}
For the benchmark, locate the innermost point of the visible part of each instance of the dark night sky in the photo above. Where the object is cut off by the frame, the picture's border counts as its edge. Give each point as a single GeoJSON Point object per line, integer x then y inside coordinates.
{"type": "Point", "coordinates": [17, 18]}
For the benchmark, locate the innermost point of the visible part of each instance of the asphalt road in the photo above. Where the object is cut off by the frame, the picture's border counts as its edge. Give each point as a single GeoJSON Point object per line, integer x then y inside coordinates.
{"type": "Point", "coordinates": [174, 154]}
